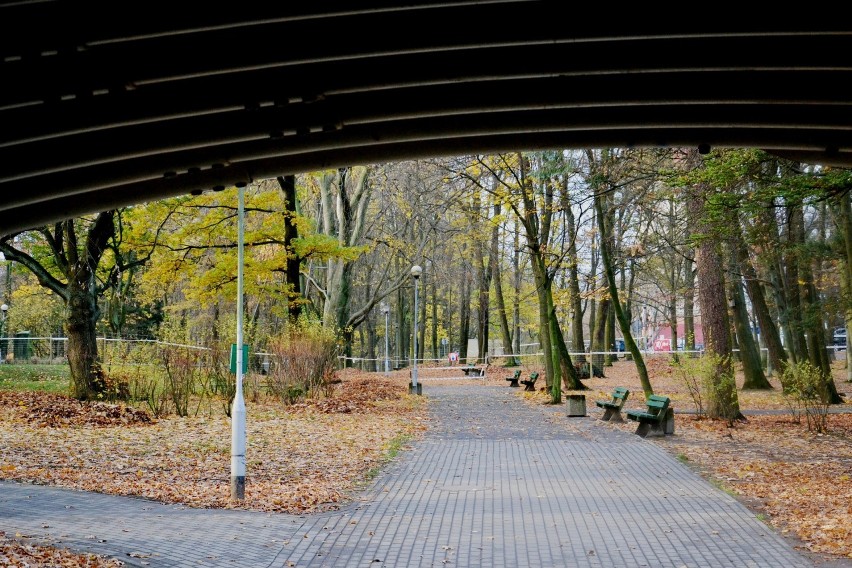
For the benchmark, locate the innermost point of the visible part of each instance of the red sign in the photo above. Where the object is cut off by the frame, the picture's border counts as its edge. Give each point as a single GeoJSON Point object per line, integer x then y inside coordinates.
{"type": "Point", "coordinates": [663, 344]}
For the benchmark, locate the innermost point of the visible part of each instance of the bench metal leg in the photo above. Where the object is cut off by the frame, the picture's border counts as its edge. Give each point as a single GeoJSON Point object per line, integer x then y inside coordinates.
{"type": "Point", "coordinates": [514, 383]}
{"type": "Point", "coordinates": [643, 429]}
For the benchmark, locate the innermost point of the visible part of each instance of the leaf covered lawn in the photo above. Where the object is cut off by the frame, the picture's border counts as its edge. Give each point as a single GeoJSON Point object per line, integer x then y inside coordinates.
{"type": "Point", "coordinates": [301, 458]}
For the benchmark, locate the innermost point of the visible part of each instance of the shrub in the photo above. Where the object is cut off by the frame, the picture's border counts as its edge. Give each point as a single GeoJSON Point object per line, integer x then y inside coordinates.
{"type": "Point", "coordinates": [694, 374]}
{"type": "Point", "coordinates": [805, 392]}
{"type": "Point", "coordinates": [712, 392]}
{"type": "Point", "coordinates": [304, 362]}
{"type": "Point", "coordinates": [147, 388]}
{"type": "Point", "coordinates": [183, 372]}
{"type": "Point", "coordinates": [721, 391]}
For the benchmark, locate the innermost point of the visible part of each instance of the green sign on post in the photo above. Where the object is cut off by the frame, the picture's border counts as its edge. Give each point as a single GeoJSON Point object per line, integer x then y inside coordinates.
{"type": "Point", "coordinates": [234, 358]}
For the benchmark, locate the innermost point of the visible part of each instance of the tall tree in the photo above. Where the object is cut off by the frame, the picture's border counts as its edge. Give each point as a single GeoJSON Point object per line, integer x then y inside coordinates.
{"type": "Point", "coordinates": [768, 330]}
{"type": "Point", "coordinates": [723, 402]}
{"type": "Point", "coordinates": [505, 332]}
{"type": "Point", "coordinates": [291, 235]}
{"type": "Point", "coordinates": [533, 205]}
{"type": "Point", "coordinates": [749, 356]}
{"type": "Point", "coordinates": [343, 216]}
{"type": "Point", "coordinates": [70, 259]}
{"type": "Point", "coordinates": [577, 311]}
{"type": "Point", "coordinates": [609, 272]}
{"type": "Point", "coordinates": [843, 220]}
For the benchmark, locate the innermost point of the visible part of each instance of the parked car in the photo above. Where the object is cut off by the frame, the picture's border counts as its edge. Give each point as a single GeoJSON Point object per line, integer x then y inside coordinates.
{"type": "Point", "coordinates": [839, 339]}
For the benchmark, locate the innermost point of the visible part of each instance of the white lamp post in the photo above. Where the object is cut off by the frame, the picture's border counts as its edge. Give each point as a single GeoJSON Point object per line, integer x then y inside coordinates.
{"type": "Point", "coordinates": [415, 388]}
{"type": "Point", "coordinates": [4, 308]}
{"type": "Point", "coordinates": [386, 310]}
{"type": "Point", "coordinates": [238, 410]}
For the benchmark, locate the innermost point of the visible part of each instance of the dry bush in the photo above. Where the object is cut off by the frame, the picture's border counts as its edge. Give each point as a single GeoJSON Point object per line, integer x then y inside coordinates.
{"type": "Point", "coordinates": [305, 362]}
{"type": "Point", "coordinates": [184, 371]}
{"type": "Point", "coordinates": [805, 392]}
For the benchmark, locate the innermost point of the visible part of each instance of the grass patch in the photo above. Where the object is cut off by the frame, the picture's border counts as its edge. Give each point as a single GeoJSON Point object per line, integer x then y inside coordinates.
{"type": "Point", "coordinates": [48, 378]}
{"type": "Point", "coordinates": [682, 458]}
{"type": "Point", "coordinates": [393, 449]}
{"type": "Point", "coordinates": [718, 484]}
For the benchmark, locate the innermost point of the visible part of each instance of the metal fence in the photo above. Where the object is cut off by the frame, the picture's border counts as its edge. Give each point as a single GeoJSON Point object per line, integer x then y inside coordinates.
{"type": "Point", "coordinates": [21, 348]}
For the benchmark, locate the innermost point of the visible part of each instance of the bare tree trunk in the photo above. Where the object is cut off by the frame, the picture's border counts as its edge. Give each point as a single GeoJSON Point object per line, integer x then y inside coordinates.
{"type": "Point", "coordinates": [610, 338]}
{"type": "Point", "coordinates": [604, 217]}
{"type": "Point", "coordinates": [812, 321]}
{"type": "Point", "coordinates": [843, 220]}
{"type": "Point", "coordinates": [772, 265]}
{"type": "Point", "coordinates": [768, 331]}
{"type": "Point", "coordinates": [724, 402]}
{"type": "Point", "coordinates": [795, 238]}
{"type": "Point", "coordinates": [750, 357]}
{"type": "Point", "coordinates": [435, 353]}
{"type": "Point", "coordinates": [593, 286]}
{"type": "Point", "coordinates": [421, 327]}
{"type": "Point", "coordinates": [346, 222]}
{"type": "Point", "coordinates": [542, 285]}
{"type": "Point", "coordinates": [370, 347]}
{"type": "Point", "coordinates": [577, 339]}
{"type": "Point", "coordinates": [562, 358]}
{"type": "Point", "coordinates": [464, 311]}
{"type": "Point", "coordinates": [403, 337]}
{"type": "Point", "coordinates": [494, 268]}
{"type": "Point", "coordinates": [623, 321]}
{"type": "Point", "coordinates": [291, 233]}
{"type": "Point", "coordinates": [516, 298]}
{"type": "Point", "coordinates": [80, 326]}
{"type": "Point", "coordinates": [598, 344]}
{"type": "Point", "coordinates": [483, 280]}
{"type": "Point", "coordinates": [689, 303]}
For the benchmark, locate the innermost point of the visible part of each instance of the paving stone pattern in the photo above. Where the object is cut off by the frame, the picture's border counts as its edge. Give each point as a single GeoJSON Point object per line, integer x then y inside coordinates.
{"type": "Point", "coordinates": [495, 482]}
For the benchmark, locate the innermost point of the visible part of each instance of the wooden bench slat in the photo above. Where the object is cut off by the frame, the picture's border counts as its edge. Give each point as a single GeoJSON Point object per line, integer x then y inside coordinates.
{"type": "Point", "coordinates": [513, 380]}
{"type": "Point", "coordinates": [653, 417]}
{"type": "Point", "coordinates": [612, 408]}
{"type": "Point", "coordinates": [530, 383]}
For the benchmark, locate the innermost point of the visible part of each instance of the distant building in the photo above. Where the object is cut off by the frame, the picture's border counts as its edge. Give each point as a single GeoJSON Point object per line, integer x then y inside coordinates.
{"type": "Point", "coordinates": [662, 340]}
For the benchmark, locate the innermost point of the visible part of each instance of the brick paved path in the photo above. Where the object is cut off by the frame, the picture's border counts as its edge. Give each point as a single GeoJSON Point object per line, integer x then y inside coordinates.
{"type": "Point", "coordinates": [496, 482]}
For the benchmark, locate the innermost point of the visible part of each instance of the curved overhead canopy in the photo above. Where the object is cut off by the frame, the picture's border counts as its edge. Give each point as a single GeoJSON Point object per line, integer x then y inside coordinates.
{"type": "Point", "coordinates": [110, 104]}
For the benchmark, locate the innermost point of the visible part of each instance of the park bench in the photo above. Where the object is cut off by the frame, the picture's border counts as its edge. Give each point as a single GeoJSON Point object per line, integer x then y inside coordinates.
{"type": "Point", "coordinates": [513, 380]}
{"type": "Point", "coordinates": [657, 419]}
{"type": "Point", "coordinates": [529, 385]}
{"type": "Point", "coordinates": [612, 408]}
{"type": "Point", "coordinates": [473, 371]}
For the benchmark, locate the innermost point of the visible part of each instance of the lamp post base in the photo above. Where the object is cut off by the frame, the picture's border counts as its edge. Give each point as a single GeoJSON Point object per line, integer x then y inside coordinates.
{"type": "Point", "coordinates": [238, 488]}
{"type": "Point", "coordinates": [418, 390]}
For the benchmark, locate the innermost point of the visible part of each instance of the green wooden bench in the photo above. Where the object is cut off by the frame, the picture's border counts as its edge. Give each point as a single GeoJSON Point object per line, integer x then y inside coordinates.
{"type": "Point", "coordinates": [473, 371]}
{"type": "Point", "coordinates": [657, 419]}
{"type": "Point", "coordinates": [513, 380]}
{"type": "Point", "coordinates": [529, 385]}
{"type": "Point", "coordinates": [612, 408]}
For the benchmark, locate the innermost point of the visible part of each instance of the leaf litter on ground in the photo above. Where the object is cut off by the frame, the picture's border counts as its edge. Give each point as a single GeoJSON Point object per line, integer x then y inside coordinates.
{"type": "Point", "coordinates": [313, 455]}
{"type": "Point", "coordinates": [799, 481]}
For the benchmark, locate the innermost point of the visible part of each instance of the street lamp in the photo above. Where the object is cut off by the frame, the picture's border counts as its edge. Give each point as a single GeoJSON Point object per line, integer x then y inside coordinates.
{"type": "Point", "coordinates": [386, 310]}
{"type": "Point", "coordinates": [415, 388]}
{"type": "Point", "coordinates": [238, 409]}
{"type": "Point", "coordinates": [4, 308]}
